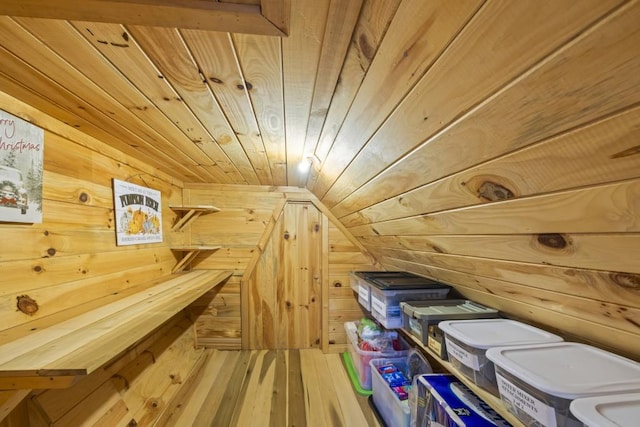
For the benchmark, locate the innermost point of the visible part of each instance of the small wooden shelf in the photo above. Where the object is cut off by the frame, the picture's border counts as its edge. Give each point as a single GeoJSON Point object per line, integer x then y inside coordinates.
{"type": "Point", "coordinates": [189, 254]}
{"type": "Point", "coordinates": [59, 355]}
{"type": "Point", "coordinates": [489, 398]}
{"type": "Point", "coordinates": [190, 213]}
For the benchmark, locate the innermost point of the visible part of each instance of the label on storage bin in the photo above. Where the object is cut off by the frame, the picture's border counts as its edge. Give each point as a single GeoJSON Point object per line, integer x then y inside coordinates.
{"type": "Point", "coordinates": [363, 292]}
{"type": "Point", "coordinates": [379, 306]}
{"type": "Point", "coordinates": [434, 345]}
{"type": "Point", "coordinates": [526, 403]}
{"type": "Point", "coordinates": [416, 327]}
{"type": "Point", "coordinates": [466, 358]}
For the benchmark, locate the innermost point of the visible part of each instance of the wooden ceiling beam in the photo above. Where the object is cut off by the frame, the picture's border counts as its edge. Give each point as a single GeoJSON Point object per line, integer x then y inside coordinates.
{"type": "Point", "coordinates": [187, 14]}
{"type": "Point", "coordinates": [277, 12]}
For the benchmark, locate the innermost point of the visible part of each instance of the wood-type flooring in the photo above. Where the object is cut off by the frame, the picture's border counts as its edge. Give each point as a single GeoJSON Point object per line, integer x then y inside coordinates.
{"type": "Point", "coordinates": [271, 388]}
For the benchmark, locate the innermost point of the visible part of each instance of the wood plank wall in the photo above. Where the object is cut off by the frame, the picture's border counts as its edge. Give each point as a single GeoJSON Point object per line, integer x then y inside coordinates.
{"type": "Point", "coordinates": [510, 167]}
{"type": "Point", "coordinates": [70, 262]}
{"type": "Point", "coordinates": [243, 227]}
{"type": "Point", "coordinates": [344, 257]}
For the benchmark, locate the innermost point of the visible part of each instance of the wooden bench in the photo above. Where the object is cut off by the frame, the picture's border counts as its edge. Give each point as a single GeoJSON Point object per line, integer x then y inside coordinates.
{"type": "Point", "coordinates": [58, 355]}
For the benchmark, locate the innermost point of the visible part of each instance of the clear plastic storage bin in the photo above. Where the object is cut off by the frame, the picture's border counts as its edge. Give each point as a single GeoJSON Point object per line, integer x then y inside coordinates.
{"type": "Point", "coordinates": [387, 293]}
{"type": "Point", "coordinates": [538, 383]}
{"type": "Point", "coordinates": [468, 340]}
{"type": "Point", "coordinates": [394, 411]}
{"type": "Point", "coordinates": [360, 283]}
{"type": "Point", "coordinates": [361, 358]}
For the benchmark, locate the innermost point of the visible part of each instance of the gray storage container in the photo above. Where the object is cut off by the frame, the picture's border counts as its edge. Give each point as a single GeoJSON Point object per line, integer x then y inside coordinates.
{"type": "Point", "coordinates": [418, 316]}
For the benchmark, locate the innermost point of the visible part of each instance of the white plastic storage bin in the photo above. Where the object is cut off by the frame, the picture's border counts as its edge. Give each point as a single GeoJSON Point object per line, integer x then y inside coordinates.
{"type": "Point", "coordinates": [393, 410]}
{"type": "Point", "coordinates": [387, 293]}
{"type": "Point", "coordinates": [537, 383]}
{"type": "Point", "coordinates": [618, 410]}
{"type": "Point", "coordinates": [418, 315]}
{"type": "Point", "coordinates": [442, 400]}
{"type": "Point", "coordinates": [361, 358]}
{"type": "Point", "coordinates": [468, 340]}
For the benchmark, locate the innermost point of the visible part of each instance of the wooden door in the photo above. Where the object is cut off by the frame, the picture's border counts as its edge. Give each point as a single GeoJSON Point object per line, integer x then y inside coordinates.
{"type": "Point", "coordinates": [285, 292]}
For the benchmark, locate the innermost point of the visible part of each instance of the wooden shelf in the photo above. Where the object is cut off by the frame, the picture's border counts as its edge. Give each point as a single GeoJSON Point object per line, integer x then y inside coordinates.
{"type": "Point", "coordinates": [489, 398]}
{"type": "Point", "coordinates": [189, 254]}
{"type": "Point", "coordinates": [59, 355]}
{"type": "Point", "coordinates": [190, 213]}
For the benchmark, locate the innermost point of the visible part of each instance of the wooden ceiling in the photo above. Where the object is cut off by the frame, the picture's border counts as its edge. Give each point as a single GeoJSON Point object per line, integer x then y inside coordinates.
{"type": "Point", "coordinates": [381, 96]}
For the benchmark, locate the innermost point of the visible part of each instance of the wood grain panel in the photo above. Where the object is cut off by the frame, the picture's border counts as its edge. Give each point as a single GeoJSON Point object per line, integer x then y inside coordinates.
{"type": "Point", "coordinates": [588, 251]}
{"type": "Point", "coordinates": [58, 270]}
{"type": "Point", "coordinates": [300, 54]}
{"type": "Point", "coordinates": [260, 60]}
{"type": "Point", "coordinates": [72, 160]}
{"type": "Point", "coordinates": [263, 302]}
{"type": "Point", "coordinates": [73, 109]}
{"type": "Point", "coordinates": [216, 16]}
{"type": "Point", "coordinates": [344, 257]}
{"type": "Point", "coordinates": [594, 154]}
{"type": "Point", "coordinates": [65, 40]}
{"type": "Point", "coordinates": [402, 58]}
{"type": "Point", "coordinates": [95, 149]}
{"type": "Point", "coordinates": [217, 62]}
{"type": "Point", "coordinates": [135, 388]}
{"type": "Point", "coordinates": [607, 208]}
{"type": "Point", "coordinates": [533, 33]}
{"type": "Point", "coordinates": [113, 42]}
{"type": "Point", "coordinates": [372, 24]}
{"type": "Point", "coordinates": [341, 20]}
{"type": "Point", "coordinates": [299, 296]}
{"type": "Point", "coordinates": [170, 54]}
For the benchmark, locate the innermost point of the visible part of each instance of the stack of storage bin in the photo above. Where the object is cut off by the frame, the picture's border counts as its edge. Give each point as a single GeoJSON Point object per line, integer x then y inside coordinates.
{"type": "Point", "coordinates": [421, 319]}
{"type": "Point", "coordinates": [380, 293]}
{"type": "Point", "coordinates": [468, 341]}
{"type": "Point", "coordinates": [360, 358]}
{"type": "Point", "coordinates": [542, 380]}
{"type": "Point", "coordinates": [539, 383]}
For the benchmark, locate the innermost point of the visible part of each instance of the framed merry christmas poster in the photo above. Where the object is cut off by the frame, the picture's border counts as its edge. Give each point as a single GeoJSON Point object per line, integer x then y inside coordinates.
{"type": "Point", "coordinates": [21, 160]}
{"type": "Point", "coordinates": [138, 213]}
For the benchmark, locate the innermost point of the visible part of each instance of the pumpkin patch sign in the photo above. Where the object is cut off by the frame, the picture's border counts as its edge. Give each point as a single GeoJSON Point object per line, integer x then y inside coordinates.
{"type": "Point", "coordinates": [138, 214]}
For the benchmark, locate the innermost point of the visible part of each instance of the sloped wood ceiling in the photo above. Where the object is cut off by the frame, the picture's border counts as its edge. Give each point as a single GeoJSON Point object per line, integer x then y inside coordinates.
{"type": "Point", "coordinates": [491, 144]}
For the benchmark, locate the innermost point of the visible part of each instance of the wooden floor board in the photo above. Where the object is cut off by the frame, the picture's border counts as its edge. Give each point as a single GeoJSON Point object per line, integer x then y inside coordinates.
{"type": "Point", "coordinates": [274, 388]}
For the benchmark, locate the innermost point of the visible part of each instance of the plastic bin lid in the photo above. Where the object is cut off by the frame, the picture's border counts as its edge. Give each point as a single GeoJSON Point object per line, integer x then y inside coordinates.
{"type": "Point", "coordinates": [450, 309]}
{"type": "Point", "coordinates": [376, 274]}
{"type": "Point", "coordinates": [387, 280]}
{"type": "Point", "coordinates": [569, 370]}
{"type": "Point", "coordinates": [487, 333]}
{"type": "Point", "coordinates": [402, 283]}
{"type": "Point", "coordinates": [619, 410]}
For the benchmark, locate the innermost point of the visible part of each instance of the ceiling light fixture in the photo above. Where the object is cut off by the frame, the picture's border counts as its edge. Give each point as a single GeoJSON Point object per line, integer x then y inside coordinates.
{"type": "Point", "coordinates": [305, 164]}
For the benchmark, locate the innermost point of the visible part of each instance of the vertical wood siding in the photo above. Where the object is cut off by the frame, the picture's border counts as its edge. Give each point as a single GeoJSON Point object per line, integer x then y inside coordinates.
{"type": "Point", "coordinates": [248, 217]}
